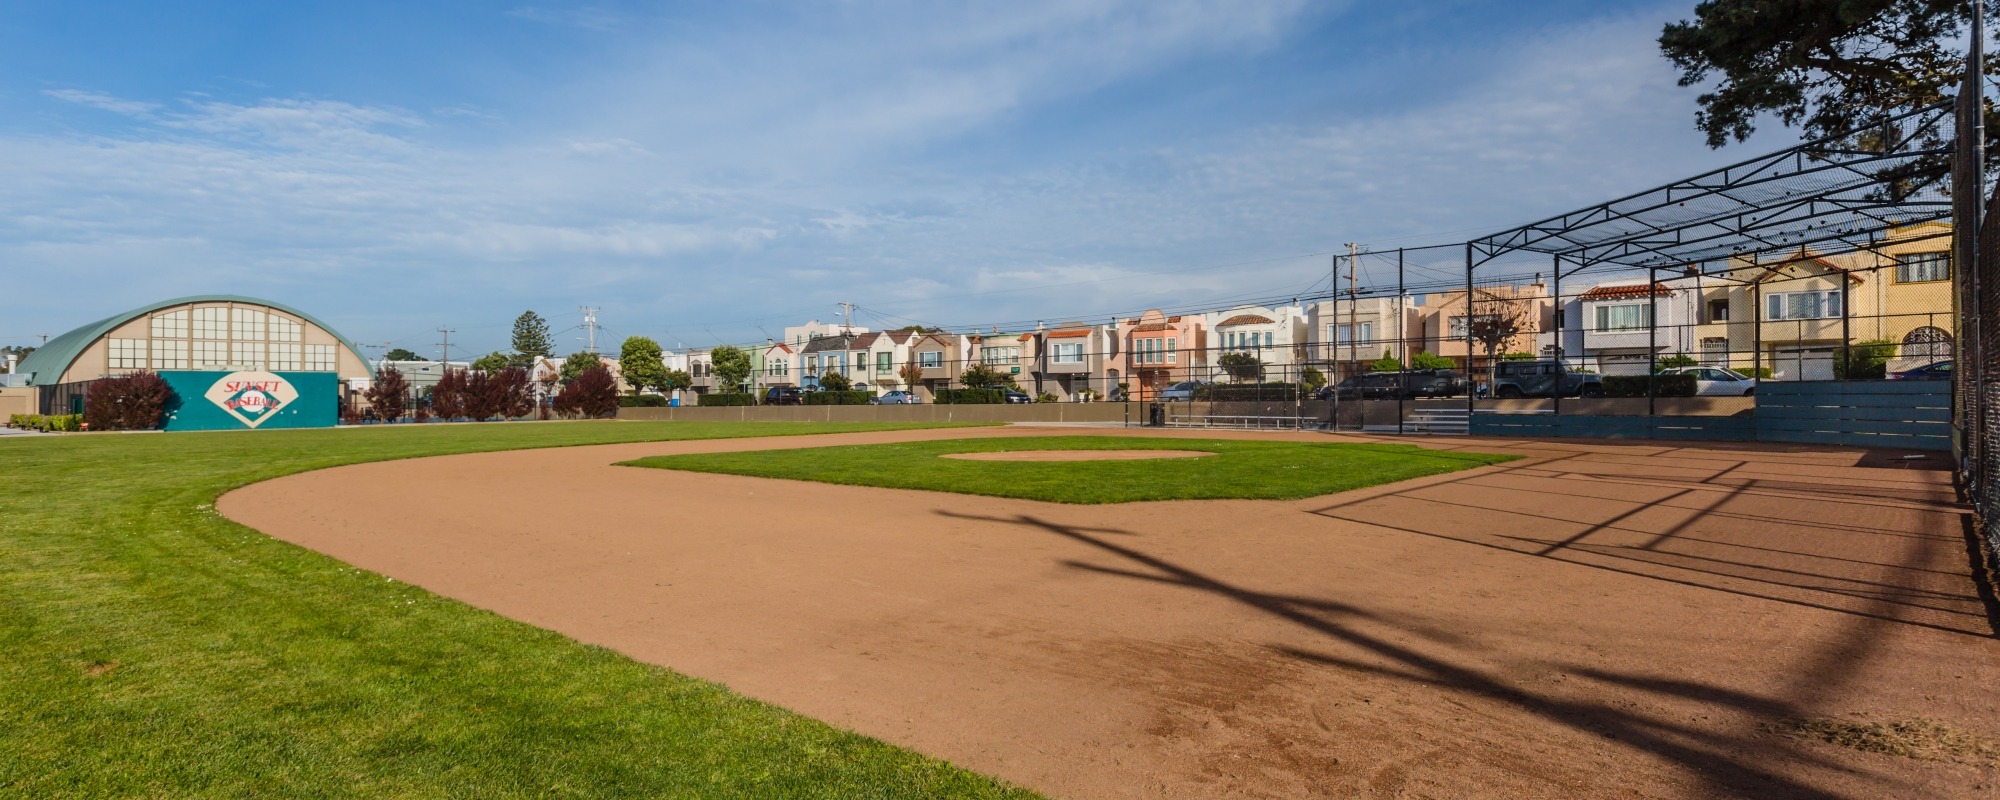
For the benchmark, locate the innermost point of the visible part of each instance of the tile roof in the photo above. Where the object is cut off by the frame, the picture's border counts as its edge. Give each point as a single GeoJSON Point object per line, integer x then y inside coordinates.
{"type": "Point", "coordinates": [1626, 291]}
{"type": "Point", "coordinates": [1246, 319]}
{"type": "Point", "coordinates": [1072, 333]}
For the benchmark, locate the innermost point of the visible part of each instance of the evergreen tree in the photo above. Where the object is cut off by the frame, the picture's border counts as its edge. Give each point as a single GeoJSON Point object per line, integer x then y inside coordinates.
{"type": "Point", "coordinates": [531, 338]}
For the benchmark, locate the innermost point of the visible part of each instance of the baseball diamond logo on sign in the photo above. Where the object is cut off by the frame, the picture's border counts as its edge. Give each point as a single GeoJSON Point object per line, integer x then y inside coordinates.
{"type": "Point", "coordinates": [252, 397]}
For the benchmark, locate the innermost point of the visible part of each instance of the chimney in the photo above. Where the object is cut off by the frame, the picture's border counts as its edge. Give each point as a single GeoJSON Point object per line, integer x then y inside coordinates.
{"type": "Point", "coordinates": [13, 362]}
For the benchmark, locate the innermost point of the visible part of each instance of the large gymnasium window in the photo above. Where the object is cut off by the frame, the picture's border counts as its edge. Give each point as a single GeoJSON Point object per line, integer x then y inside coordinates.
{"type": "Point", "coordinates": [127, 353]}
{"type": "Point", "coordinates": [319, 358]}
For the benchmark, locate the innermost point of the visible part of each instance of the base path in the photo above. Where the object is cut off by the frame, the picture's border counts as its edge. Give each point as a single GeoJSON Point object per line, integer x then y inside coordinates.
{"type": "Point", "coordinates": [1599, 620]}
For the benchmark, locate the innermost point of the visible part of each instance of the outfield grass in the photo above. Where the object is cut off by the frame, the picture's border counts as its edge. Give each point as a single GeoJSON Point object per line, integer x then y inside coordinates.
{"type": "Point", "coordinates": [149, 647]}
{"type": "Point", "coordinates": [1263, 470]}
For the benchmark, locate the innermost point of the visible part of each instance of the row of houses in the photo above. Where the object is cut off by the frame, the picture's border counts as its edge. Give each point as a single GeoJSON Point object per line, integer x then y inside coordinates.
{"type": "Point", "coordinates": [1784, 317]}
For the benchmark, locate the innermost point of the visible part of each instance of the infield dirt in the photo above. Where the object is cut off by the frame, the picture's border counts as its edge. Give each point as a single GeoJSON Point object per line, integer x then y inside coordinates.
{"type": "Point", "coordinates": [1598, 620]}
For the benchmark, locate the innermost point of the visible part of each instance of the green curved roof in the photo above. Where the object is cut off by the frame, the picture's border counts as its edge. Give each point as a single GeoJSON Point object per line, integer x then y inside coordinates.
{"type": "Point", "coordinates": [48, 363]}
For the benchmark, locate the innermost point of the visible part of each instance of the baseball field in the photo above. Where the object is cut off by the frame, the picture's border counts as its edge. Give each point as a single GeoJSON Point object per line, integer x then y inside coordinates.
{"type": "Point", "coordinates": [623, 609]}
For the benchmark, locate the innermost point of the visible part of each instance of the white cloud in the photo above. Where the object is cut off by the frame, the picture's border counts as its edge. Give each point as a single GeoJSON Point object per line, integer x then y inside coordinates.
{"type": "Point", "coordinates": [102, 101]}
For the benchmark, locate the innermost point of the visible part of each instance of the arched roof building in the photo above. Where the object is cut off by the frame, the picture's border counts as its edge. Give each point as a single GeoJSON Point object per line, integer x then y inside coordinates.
{"type": "Point", "coordinates": [204, 332]}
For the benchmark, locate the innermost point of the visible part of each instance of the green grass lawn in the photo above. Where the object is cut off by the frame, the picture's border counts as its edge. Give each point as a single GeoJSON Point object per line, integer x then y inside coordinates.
{"type": "Point", "coordinates": [149, 647]}
{"type": "Point", "coordinates": [1263, 470]}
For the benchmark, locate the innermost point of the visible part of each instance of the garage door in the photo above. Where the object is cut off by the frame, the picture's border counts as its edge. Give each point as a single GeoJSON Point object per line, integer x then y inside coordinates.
{"type": "Point", "coordinates": [1802, 364]}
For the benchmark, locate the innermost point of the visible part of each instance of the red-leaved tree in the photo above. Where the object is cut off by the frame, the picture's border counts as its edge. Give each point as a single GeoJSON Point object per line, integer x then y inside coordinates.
{"type": "Point", "coordinates": [387, 393]}
{"type": "Point", "coordinates": [513, 393]}
{"type": "Point", "coordinates": [448, 396]}
{"type": "Point", "coordinates": [134, 402]}
{"type": "Point", "coordinates": [480, 402]}
{"type": "Point", "coordinates": [594, 394]}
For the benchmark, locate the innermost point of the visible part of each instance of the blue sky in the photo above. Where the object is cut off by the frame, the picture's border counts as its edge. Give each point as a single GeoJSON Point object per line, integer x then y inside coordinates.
{"type": "Point", "coordinates": [710, 172]}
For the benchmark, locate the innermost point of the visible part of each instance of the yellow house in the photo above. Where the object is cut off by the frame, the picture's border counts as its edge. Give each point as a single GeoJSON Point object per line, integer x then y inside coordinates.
{"type": "Point", "coordinates": [1790, 314]}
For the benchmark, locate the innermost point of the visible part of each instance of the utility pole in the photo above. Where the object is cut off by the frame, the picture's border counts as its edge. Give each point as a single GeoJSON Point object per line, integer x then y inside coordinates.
{"type": "Point", "coordinates": [1353, 295]}
{"type": "Point", "coordinates": [444, 347]}
{"type": "Point", "coordinates": [590, 325]}
{"type": "Point", "coordinates": [846, 318]}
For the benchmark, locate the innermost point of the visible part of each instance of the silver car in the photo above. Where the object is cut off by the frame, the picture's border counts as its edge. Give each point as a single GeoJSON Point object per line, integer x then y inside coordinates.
{"type": "Point", "coordinates": [897, 398]}
{"type": "Point", "coordinates": [1716, 381]}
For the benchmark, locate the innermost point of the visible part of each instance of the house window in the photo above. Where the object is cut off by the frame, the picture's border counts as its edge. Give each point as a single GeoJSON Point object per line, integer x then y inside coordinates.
{"type": "Point", "coordinates": [1627, 317]}
{"type": "Point", "coordinates": [860, 362]}
{"type": "Point", "coordinates": [319, 358]}
{"type": "Point", "coordinates": [1170, 349]}
{"type": "Point", "coordinates": [999, 355]}
{"type": "Point", "coordinates": [211, 323]}
{"type": "Point", "coordinates": [170, 325]}
{"type": "Point", "coordinates": [1802, 305]}
{"type": "Point", "coordinates": [885, 362]}
{"type": "Point", "coordinates": [1067, 354]}
{"type": "Point", "coordinates": [930, 360]}
{"type": "Point", "coordinates": [1718, 310]}
{"type": "Point", "coordinates": [127, 353]}
{"type": "Point", "coordinates": [775, 366]}
{"type": "Point", "coordinates": [1343, 333]}
{"type": "Point", "coordinates": [1923, 267]}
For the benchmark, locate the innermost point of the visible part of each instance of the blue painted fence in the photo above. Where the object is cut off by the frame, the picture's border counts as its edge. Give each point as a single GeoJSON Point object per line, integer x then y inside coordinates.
{"type": "Point", "coordinates": [1910, 415]}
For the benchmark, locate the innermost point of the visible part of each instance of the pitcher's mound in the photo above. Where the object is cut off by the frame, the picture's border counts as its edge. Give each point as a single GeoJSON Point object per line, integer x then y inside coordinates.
{"type": "Point", "coordinates": [1077, 455]}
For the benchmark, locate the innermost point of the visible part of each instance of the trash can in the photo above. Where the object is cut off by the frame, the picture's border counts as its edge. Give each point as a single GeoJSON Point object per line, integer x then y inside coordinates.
{"type": "Point", "coordinates": [673, 402]}
{"type": "Point", "coordinates": [1158, 416]}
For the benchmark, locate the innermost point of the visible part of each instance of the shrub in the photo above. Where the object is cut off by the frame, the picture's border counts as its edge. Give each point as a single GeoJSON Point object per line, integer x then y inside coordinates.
{"type": "Point", "coordinates": [62, 423]}
{"type": "Point", "coordinates": [834, 382]}
{"type": "Point", "coordinates": [1864, 360]}
{"type": "Point", "coordinates": [1241, 366]}
{"type": "Point", "coordinates": [842, 398]}
{"type": "Point", "coordinates": [387, 394]}
{"type": "Point", "coordinates": [1046, 397]}
{"type": "Point", "coordinates": [448, 396]}
{"type": "Point", "coordinates": [1676, 360]}
{"type": "Point", "coordinates": [1635, 385]}
{"type": "Point", "coordinates": [726, 399]}
{"type": "Point", "coordinates": [1431, 361]}
{"type": "Point", "coordinates": [134, 402]}
{"type": "Point", "coordinates": [1387, 363]}
{"type": "Point", "coordinates": [593, 395]}
{"type": "Point", "coordinates": [971, 396]}
{"type": "Point", "coordinates": [642, 401]}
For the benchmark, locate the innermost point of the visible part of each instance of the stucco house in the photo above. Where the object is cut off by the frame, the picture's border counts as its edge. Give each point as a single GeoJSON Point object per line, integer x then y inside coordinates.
{"type": "Point", "coordinates": [1279, 338]}
{"type": "Point", "coordinates": [1158, 351]}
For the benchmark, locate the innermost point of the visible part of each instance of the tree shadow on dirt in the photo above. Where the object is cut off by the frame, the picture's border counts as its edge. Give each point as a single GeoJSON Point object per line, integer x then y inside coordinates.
{"type": "Point", "coordinates": [1730, 536]}
{"type": "Point", "coordinates": [1729, 763]}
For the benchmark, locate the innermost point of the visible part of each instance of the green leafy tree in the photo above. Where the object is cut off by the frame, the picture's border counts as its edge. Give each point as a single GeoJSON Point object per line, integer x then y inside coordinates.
{"type": "Point", "coordinates": [531, 338]}
{"type": "Point", "coordinates": [577, 364]}
{"type": "Point", "coordinates": [639, 359]}
{"type": "Point", "coordinates": [400, 354]}
{"type": "Point", "coordinates": [1387, 363]}
{"type": "Point", "coordinates": [1865, 360]}
{"type": "Point", "coordinates": [1826, 67]}
{"type": "Point", "coordinates": [1241, 366]}
{"type": "Point", "coordinates": [731, 366]}
{"type": "Point", "coordinates": [1312, 378]}
{"type": "Point", "coordinates": [834, 382]}
{"type": "Point", "coordinates": [490, 363]}
{"type": "Point", "coordinates": [676, 380]}
{"type": "Point", "coordinates": [982, 376]}
{"type": "Point", "coordinates": [1422, 360]}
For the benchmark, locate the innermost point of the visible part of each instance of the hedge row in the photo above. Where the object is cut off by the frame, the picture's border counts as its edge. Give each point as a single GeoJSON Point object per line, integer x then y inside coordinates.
{"type": "Point", "coordinates": [847, 398]}
{"type": "Point", "coordinates": [642, 401]}
{"type": "Point", "coordinates": [56, 423]}
{"type": "Point", "coordinates": [1247, 391]}
{"type": "Point", "coordinates": [727, 399]}
{"type": "Point", "coordinates": [971, 396]}
{"type": "Point", "coordinates": [1677, 385]}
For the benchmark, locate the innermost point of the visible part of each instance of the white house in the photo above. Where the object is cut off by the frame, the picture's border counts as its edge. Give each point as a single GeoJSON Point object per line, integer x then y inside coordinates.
{"type": "Point", "coordinates": [1609, 327]}
{"type": "Point", "coordinates": [1277, 337]}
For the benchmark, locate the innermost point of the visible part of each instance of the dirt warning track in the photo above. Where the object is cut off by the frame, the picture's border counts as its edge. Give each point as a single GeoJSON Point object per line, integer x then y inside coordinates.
{"type": "Point", "coordinates": [1630, 620]}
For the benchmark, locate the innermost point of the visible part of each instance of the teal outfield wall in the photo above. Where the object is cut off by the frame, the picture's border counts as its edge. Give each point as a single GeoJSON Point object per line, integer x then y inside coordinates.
{"type": "Point", "coordinates": [231, 401]}
{"type": "Point", "coordinates": [1910, 415]}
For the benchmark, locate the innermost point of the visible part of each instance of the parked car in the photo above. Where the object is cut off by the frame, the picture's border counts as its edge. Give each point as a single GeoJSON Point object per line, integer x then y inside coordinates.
{"type": "Point", "coordinates": [1543, 378]}
{"type": "Point", "coordinates": [1017, 396]}
{"type": "Point", "coordinates": [1716, 381]}
{"type": "Point", "coordinates": [896, 398]}
{"type": "Point", "coordinates": [1934, 371]}
{"type": "Point", "coordinates": [783, 396]}
{"type": "Point", "coordinates": [1183, 391]}
{"type": "Point", "coordinates": [1405, 384]}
